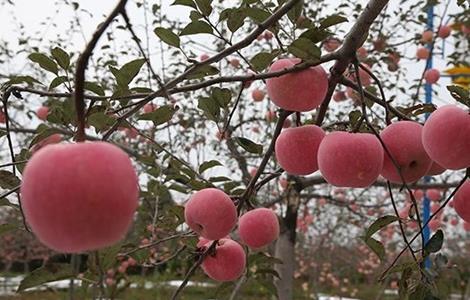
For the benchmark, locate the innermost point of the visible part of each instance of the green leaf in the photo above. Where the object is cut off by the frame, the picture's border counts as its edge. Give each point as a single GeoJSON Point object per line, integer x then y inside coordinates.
{"type": "Point", "coordinates": [24, 154]}
{"type": "Point", "coordinates": [130, 70]}
{"type": "Point", "coordinates": [295, 12]}
{"type": "Point", "coordinates": [315, 35]}
{"type": "Point", "coordinates": [208, 164]}
{"type": "Point", "coordinates": [403, 283]}
{"type": "Point", "coordinates": [257, 14]}
{"type": "Point", "coordinates": [8, 180]}
{"type": "Point", "coordinates": [57, 81]}
{"type": "Point", "coordinates": [379, 224]}
{"type": "Point", "coordinates": [249, 145]}
{"type": "Point", "coordinates": [61, 57]}
{"type": "Point", "coordinates": [262, 60]}
{"type": "Point", "coordinates": [94, 87]}
{"type": "Point", "coordinates": [221, 96]}
{"type": "Point", "coordinates": [236, 19]}
{"type": "Point", "coordinates": [219, 179]}
{"type": "Point", "coordinates": [5, 228]}
{"type": "Point", "coordinates": [402, 267]}
{"type": "Point", "coordinates": [419, 292]}
{"type": "Point", "coordinates": [109, 254]}
{"type": "Point", "coordinates": [332, 20]}
{"type": "Point", "coordinates": [189, 3]}
{"type": "Point", "coordinates": [100, 120]}
{"type": "Point", "coordinates": [161, 115]}
{"type": "Point", "coordinates": [43, 132]}
{"type": "Point", "coordinates": [205, 6]}
{"type": "Point", "coordinates": [210, 107]}
{"type": "Point", "coordinates": [196, 27]}
{"type": "Point", "coordinates": [376, 246]}
{"type": "Point", "coordinates": [195, 15]}
{"type": "Point", "coordinates": [21, 79]}
{"type": "Point", "coordinates": [261, 258]}
{"type": "Point", "coordinates": [304, 48]}
{"type": "Point", "coordinates": [44, 62]}
{"type": "Point", "coordinates": [203, 71]}
{"type": "Point", "coordinates": [354, 117]}
{"type": "Point", "coordinates": [460, 94]}
{"type": "Point", "coordinates": [5, 202]}
{"type": "Point", "coordinates": [48, 273]}
{"type": "Point", "coordinates": [435, 242]}
{"type": "Point", "coordinates": [272, 272]}
{"type": "Point", "coordinates": [167, 36]}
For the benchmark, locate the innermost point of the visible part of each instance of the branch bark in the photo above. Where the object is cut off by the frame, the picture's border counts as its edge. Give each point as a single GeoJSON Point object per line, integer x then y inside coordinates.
{"type": "Point", "coordinates": [82, 63]}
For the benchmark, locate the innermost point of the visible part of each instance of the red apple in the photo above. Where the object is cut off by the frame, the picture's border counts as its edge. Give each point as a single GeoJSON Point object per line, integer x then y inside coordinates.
{"type": "Point", "coordinates": [444, 31]}
{"type": "Point", "coordinates": [227, 263]}
{"type": "Point", "coordinates": [350, 159]}
{"type": "Point", "coordinates": [79, 197]}
{"type": "Point", "coordinates": [446, 137]}
{"type": "Point", "coordinates": [210, 213]}
{"type": "Point", "coordinates": [296, 149]}
{"type": "Point", "coordinates": [297, 91]}
{"type": "Point", "coordinates": [462, 201]}
{"type": "Point", "coordinates": [432, 76]}
{"type": "Point", "coordinates": [258, 227]}
{"type": "Point", "coordinates": [403, 140]}
{"type": "Point", "coordinates": [422, 53]}
{"type": "Point", "coordinates": [42, 113]}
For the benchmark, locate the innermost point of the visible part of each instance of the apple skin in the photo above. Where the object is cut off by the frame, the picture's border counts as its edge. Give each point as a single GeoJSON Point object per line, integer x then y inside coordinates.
{"type": "Point", "coordinates": [298, 91]}
{"type": "Point", "coordinates": [257, 95]}
{"type": "Point", "coordinates": [79, 197]}
{"type": "Point", "coordinates": [427, 36]}
{"type": "Point", "coordinates": [434, 195]}
{"type": "Point", "coordinates": [462, 201]}
{"type": "Point", "coordinates": [422, 53]}
{"type": "Point", "coordinates": [444, 31]}
{"type": "Point", "coordinates": [258, 227]}
{"type": "Point", "coordinates": [227, 263]}
{"type": "Point", "coordinates": [296, 149]}
{"type": "Point", "coordinates": [436, 169]}
{"type": "Point", "coordinates": [350, 159]}
{"type": "Point", "coordinates": [446, 137]}
{"type": "Point", "coordinates": [42, 113]}
{"type": "Point", "coordinates": [211, 213]}
{"type": "Point", "coordinates": [52, 139]}
{"type": "Point", "coordinates": [431, 76]}
{"type": "Point", "coordinates": [466, 226]}
{"type": "Point", "coordinates": [403, 140]}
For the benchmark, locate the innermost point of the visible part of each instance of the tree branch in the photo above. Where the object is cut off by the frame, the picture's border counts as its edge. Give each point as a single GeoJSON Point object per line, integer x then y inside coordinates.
{"type": "Point", "coordinates": [82, 63]}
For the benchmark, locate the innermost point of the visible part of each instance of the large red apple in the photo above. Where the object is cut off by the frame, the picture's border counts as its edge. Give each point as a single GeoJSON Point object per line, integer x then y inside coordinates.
{"type": "Point", "coordinates": [350, 159]}
{"type": "Point", "coordinates": [297, 91]}
{"type": "Point", "coordinates": [297, 147]}
{"type": "Point", "coordinates": [210, 213]}
{"type": "Point", "coordinates": [446, 137]}
{"type": "Point", "coordinates": [403, 140]}
{"type": "Point", "coordinates": [227, 263]}
{"type": "Point", "coordinates": [462, 201]}
{"type": "Point", "coordinates": [258, 227]}
{"type": "Point", "coordinates": [79, 197]}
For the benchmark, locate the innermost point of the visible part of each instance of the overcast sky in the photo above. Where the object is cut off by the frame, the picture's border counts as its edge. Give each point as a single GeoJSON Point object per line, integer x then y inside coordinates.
{"type": "Point", "coordinates": [33, 13]}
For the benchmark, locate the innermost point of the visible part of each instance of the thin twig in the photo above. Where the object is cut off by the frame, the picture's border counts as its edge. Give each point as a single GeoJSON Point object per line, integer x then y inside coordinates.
{"type": "Point", "coordinates": [82, 63]}
{"type": "Point", "coordinates": [193, 268]}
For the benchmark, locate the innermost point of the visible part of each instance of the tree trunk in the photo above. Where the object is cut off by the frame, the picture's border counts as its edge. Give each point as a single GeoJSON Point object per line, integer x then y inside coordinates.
{"type": "Point", "coordinates": [285, 248]}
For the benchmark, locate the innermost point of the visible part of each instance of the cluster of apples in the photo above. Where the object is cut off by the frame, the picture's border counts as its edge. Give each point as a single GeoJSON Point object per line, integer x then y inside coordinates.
{"type": "Point", "coordinates": [357, 159]}
{"type": "Point", "coordinates": [212, 214]}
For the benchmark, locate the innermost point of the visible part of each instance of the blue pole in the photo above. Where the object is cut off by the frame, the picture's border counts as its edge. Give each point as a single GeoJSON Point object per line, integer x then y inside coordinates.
{"type": "Point", "coordinates": [428, 99]}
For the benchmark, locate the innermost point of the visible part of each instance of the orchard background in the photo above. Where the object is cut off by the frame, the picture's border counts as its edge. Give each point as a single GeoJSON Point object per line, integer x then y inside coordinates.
{"type": "Point", "coordinates": [180, 87]}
